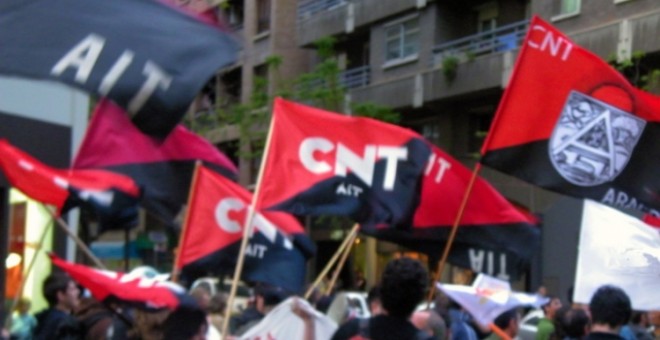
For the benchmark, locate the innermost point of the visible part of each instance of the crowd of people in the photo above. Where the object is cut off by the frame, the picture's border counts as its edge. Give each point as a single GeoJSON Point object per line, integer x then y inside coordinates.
{"type": "Point", "coordinates": [393, 305]}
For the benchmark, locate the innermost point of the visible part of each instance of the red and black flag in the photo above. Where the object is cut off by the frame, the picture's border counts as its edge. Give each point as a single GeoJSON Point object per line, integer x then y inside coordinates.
{"type": "Point", "coordinates": [111, 197]}
{"type": "Point", "coordinates": [163, 168]}
{"type": "Point", "coordinates": [323, 163]}
{"type": "Point", "coordinates": [494, 236]}
{"type": "Point", "coordinates": [147, 56]}
{"type": "Point", "coordinates": [109, 286]}
{"type": "Point", "coordinates": [277, 250]}
{"type": "Point", "coordinates": [571, 123]}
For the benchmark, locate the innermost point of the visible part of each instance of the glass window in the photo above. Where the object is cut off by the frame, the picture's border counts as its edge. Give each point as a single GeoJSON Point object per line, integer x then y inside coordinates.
{"type": "Point", "coordinates": [569, 7]}
{"type": "Point", "coordinates": [263, 16]}
{"type": "Point", "coordinates": [402, 40]}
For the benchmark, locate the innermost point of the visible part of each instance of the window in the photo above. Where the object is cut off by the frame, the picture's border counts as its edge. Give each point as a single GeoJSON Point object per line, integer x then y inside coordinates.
{"type": "Point", "coordinates": [263, 16]}
{"type": "Point", "coordinates": [402, 40]}
{"type": "Point", "coordinates": [567, 8]}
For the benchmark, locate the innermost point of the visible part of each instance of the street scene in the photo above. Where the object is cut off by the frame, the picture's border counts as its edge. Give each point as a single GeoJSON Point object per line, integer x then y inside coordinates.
{"type": "Point", "coordinates": [330, 169]}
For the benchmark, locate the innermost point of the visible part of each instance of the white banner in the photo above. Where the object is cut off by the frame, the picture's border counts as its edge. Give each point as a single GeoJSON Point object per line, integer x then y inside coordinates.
{"type": "Point", "coordinates": [621, 250]}
{"type": "Point", "coordinates": [489, 297]}
{"type": "Point", "coordinates": [282, 324]}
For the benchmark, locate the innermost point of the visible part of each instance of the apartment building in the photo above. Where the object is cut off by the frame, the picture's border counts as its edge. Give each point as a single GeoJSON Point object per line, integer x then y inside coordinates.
{"type": "Point", "coordinates": [443, 65]}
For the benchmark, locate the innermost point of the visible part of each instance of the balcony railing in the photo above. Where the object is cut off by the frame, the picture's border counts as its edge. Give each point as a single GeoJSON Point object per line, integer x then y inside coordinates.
{"type": "Point", "coordinates": [311, 7]}
{"type": "Point", "coordinates": [355, 77]}
{"type": "Point", "coordinates": [501, 39]}
{"type": "Point", "coordinates": [349, 79]}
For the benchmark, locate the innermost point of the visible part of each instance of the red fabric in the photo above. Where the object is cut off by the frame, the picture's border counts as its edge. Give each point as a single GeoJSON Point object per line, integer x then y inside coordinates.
{"type": "Point", "coordinates": [103, 284]}
{"type": "Point", "coordinates": [112, 139]}
{"type": "Point", "coordinates": [549, 66]}
{"type": "Point", "coordinates": [444, 185]}
{"type": "Point", "coordinates": [293, 123]}
{"type": "Point", "coordinates": [205, 231]}
{"type": "Point", "coordinates": [48, 185]}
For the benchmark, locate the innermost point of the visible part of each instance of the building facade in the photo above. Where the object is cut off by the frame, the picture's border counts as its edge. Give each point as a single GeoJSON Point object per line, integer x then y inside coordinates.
{"type": "Point", "coordinates": [444, 66]}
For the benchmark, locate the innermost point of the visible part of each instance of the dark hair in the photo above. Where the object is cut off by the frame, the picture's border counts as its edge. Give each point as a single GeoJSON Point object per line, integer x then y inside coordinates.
{"type": "Point", "coordinates": [183, 323]}
{"type": "Point", "coordinates": [272, 295]}
{"type": "Point", "coordinates": [402, 286]}
{"type": "Point", "coordinates": [374, 294]}
{"type": "Point", "coordinates": [610, 305]}
{"type": "Point", "coordinates": [54, 283]}
{"type": "Point", "coordinates": [547, 304]}
{"type": "Point", "coordinates": [502, 321]}
{"type": "Point", "coordinates": [573, 323]}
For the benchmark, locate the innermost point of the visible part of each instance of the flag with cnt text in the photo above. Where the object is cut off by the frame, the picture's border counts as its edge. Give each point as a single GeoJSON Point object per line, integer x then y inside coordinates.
{"type": "Point", "coordinates": [571, 123]}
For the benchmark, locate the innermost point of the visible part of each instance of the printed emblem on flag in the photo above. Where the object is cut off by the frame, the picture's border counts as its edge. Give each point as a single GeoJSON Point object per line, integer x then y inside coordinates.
{"type": "Point", "coordinates": [592, 141]}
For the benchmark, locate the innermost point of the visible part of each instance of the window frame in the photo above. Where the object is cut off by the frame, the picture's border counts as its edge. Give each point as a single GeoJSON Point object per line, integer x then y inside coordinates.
{"type": "Point", "coordinates": [562, 16]}
{"type": "Point", "coordinates": [402, 39]}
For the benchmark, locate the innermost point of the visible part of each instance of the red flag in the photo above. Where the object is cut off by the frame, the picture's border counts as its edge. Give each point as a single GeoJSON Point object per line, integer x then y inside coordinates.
{"type": "Point", "coordinates": [322, 163]}
{"type": "Point", "coordinates": [489, 222]}
{"type": "Point", "coordinates": [54, 186]}
{"type": "Point", "coordinates": [163, 168]}
{"type": "Point", "coordinates": [571, 123]}
{"type": "Point", "coordinates": [214, 228]}
{"type": "Point", "coordinates": [108, 285]}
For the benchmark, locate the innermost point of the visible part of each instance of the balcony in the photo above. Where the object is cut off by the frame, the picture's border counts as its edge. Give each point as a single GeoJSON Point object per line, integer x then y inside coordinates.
{"type": "Point", "coordinates": [349, 79]}
{"type": "Point", "coordinates": [485, 60]}
{"type": "Point", "coordinates": [308, 8]}
{"type": "Point", "coordinates": [501, 39]}
{"type": "Point", "coordinates": [322, 18]}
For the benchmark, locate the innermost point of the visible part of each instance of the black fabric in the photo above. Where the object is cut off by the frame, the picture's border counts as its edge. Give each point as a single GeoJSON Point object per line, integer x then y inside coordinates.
{"type": "Point", "coordinates": [57, 325]}
{"type": "Point", "coordinates": [381, 327]}
{"type": "Point", "coordinates": [602, 336]}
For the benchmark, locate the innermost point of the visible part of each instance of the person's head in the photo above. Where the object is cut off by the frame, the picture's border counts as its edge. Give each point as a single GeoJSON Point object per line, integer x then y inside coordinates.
{"type": "Point", "coordinates": [574, 323]}
{"type": "Point", "coordinates": [610, 306]}
{"type": "Point", "coordinates": [373, 300]}
{"type": "Point", "coordinates": [185, 323]}
{"type": "Point", "coordinates": [430, 322]}
{"type": "Point", "coordinates": [268, 296]}
{"type": "Point", "coordinates": [61, 292]}
{"type": "Point", "coordinates": [551, 307]}
{"type": "Point", "coordinates": [402, 286]}
{"type": "Point", "coordinates": [509, 322]}
{"type": "Point", "coordinates": [202, 296]}
{"type": "Point", "coordinates": [640, 318]}
{"type": "Point", "coordinates": [23, 306]}
{"type": "Point", "coordinates": [218, 303]}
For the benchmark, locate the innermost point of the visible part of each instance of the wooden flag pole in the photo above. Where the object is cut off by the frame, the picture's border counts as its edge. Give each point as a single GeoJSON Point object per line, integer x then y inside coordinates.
{"type": "Point", "coordinates": [184, 229]}
{"type": "Point", "coordinates": [332, 261]}
{"type": "Point", "coordinates": [499, 332]}
{"type": "Point", "coordinates": [64, 226]}
{"type": "Point", "coordinates": [26, 273]}
{"type": "Point", "coordinates": [247, 230]}
{"type": "Point", "coordinates": [341, 263]}
{"type": "Point", "coordinates": [454, 229]}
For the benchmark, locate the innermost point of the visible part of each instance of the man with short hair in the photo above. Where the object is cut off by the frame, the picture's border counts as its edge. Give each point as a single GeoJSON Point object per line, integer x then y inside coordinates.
{"type": "Point", "coordinates": [610, 309]}
{"type": "Point", "coordinates": [573, 323]}
{"type": "Point", "coordinates": [63, 297]}
{"type": "Point", "coordinates": [545, 326]}
{"type": "Point", "coordinates": [508, 322]}
{"type": "Point", "coordinates": [402, 287]}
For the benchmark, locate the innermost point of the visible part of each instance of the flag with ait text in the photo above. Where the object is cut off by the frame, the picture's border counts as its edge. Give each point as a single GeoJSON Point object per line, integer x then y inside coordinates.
{"type": "Point", "coordinates": [162, 167]}
{"type": "Point", "coordinates": [324, 163]}
{"type": "Point", "coordinates": [277, 249]}
{"type": "Point", "coordinates": [571, 123]}
{"type": "Point", "coordinates": [147, 56]}
{"type": "Point", "coordinates": [618, 249]}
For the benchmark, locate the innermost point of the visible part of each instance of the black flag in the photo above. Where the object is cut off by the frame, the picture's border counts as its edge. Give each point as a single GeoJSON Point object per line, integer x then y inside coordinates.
{"type": "Point", "coordinates": [146, 56]}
